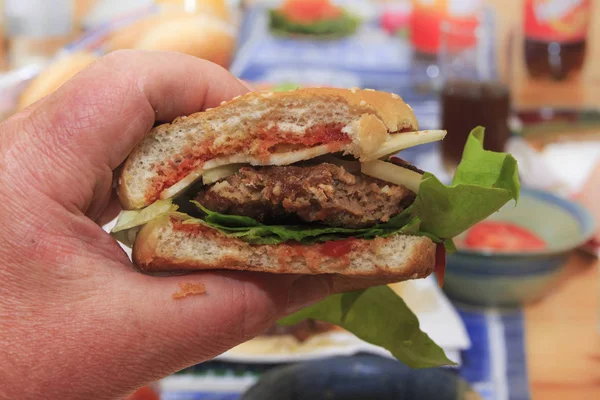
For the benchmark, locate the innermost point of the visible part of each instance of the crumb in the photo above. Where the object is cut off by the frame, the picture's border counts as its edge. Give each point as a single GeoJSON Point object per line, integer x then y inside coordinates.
{"type": "Point", "coordinates": [189, 289]}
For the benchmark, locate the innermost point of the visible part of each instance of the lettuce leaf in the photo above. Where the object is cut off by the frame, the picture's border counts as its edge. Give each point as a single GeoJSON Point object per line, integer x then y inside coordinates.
{"type": "Point", "coordinates": [345, 25]}
{"type": "Point", "coordinates": [254, 232]}
{"type": "Point", "coordinates": [379, 316]}
{"type": "Point", "coordinates": [483, 182]}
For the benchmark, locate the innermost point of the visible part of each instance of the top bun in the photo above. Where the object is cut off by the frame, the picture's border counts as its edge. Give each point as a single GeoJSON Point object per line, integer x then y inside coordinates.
{"type": "Point", "coordinates": [263, 129]}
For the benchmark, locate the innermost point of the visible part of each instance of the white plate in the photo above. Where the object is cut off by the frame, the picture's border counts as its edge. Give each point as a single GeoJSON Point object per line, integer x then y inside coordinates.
{"type": "Point", "coordinates": [437, 317]}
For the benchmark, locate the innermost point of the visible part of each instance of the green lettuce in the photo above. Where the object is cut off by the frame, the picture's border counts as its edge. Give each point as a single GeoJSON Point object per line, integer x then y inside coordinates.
{"type": "Point", "coordinates": [378, 316]}
{"type": "Point", "coordinates": [483, 182]}
{"type": "Point", "coordinates": [254, 232]}
{"type": "Point", "coordinates": [130, 221]}
{"type": "Point", "coordinates": [344, 25]}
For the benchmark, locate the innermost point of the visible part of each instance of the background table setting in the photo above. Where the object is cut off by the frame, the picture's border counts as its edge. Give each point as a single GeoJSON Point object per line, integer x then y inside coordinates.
{"type": "Point", "coordinates": [520, 324]}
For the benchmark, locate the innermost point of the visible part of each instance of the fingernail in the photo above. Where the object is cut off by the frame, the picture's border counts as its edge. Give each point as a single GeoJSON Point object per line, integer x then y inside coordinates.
{"type": "Point", "coordinates": [246, 85]}
{"type": "Point", "coordinates": [307, 291]}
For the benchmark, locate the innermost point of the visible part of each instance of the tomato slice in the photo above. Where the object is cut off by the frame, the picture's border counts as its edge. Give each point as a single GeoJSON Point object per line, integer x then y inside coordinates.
{"type": "Point", "coordinates": [504, 236]}
{"type": "Point", "coordinates": [310, 10]}
{"type": "Point", "coordinates": [440, 263]}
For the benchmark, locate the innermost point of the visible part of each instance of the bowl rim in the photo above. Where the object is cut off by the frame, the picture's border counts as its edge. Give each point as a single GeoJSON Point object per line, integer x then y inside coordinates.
{"type": "Point", "coordinates": [582, 216]}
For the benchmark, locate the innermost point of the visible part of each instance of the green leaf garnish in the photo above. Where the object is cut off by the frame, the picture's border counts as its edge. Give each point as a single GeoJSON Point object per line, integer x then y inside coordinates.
{"type": "Point", "coordinates": [378, 316]}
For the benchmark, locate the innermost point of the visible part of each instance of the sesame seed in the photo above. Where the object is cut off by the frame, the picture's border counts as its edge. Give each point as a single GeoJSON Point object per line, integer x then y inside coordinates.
{"type": "Point", "coordinates": [223, 103]}
{"type": "Point", "coordinates": [414, 276]}
{"type": "Point", "coordinates": [395, 96]}
{"type": "Point", "coordinates": [353, 90]}
{"type": "Point", "coordinates": [370, 90]}
{"type": "Point", "coordinates": [236, 97]}
{"type": "Point", "coordinates": [363, 103]}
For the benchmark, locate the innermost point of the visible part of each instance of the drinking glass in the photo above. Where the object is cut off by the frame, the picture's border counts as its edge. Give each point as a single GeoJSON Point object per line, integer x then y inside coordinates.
{"type": "Point", "coordinates": [473, 91]}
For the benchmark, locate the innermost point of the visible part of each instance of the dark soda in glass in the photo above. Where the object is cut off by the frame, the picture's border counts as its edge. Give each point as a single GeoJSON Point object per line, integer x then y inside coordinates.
{"type": "Point", "coordinates": [555, 37]}
{"type": "Point", "coordinates": [467, 104]}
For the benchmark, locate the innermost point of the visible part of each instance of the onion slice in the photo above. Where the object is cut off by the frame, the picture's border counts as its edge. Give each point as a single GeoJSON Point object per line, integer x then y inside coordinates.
{"type": "Point", "coordinates": [216, 174]}
{"type": "Point", "coordinates": [401, 141]}
{"type": "Point", "coordinates": [392, 173]}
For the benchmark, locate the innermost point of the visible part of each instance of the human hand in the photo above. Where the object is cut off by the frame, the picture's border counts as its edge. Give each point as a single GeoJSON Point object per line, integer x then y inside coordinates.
{"type": "Point", "coordinates": [76, 321]}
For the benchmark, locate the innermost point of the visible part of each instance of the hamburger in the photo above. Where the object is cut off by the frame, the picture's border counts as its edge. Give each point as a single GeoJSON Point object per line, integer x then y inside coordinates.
{"type": "Point", "coordinates": [300, 182]}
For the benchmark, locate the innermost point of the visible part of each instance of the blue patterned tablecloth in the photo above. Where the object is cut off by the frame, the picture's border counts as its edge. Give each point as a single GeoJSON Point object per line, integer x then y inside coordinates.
{"type": "Point", "coordinates": [495, 365]}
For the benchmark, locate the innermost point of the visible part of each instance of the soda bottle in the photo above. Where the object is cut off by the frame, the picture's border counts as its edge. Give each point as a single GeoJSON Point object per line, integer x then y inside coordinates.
{"type": "Point", "coordinates": [555, 37]}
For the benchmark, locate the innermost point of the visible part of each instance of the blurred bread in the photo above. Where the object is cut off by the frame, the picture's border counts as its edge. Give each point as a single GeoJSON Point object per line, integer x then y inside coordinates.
{"type": "Point", "coordinates": [200, 36]}
{"type": "Point", "coordinates": [172, 10]}
{"type": "Point", "coordinates": [54, 75]}
{"type": "Point", "coordinates": [217, 8]}
{"type": "Point", "coordinates": [128, 36]}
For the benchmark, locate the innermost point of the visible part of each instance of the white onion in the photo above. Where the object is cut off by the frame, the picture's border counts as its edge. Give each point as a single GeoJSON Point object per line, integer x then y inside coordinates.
{"type": "Point", "coordinates": [392, 173]}
{"type": "Point", "coordinates": [401, 141]}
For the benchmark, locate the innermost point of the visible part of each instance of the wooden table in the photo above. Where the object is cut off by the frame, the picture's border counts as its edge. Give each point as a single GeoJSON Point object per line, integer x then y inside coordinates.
{"type": "Point", "coordinates": [562, 330]}
{"type": "Point", "coordinates": [563, 336]}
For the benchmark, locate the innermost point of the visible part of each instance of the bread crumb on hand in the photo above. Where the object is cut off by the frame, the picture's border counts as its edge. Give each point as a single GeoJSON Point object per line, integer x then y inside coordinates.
{"type": "Point", "coordinates": [189, 289]}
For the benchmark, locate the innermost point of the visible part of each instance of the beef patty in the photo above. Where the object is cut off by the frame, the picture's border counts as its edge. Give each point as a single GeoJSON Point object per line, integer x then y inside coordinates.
{"type": "Point", "coordinates": [323, 193]}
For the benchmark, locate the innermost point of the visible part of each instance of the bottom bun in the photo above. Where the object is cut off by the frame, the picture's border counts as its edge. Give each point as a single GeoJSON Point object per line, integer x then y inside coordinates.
{"type": "Point", "coordinates": [168, 245]}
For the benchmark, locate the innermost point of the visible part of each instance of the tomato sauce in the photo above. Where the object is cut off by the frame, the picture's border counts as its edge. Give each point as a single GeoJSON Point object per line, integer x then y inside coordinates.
{"type": "Point", "coordinates": [440, 263]}
{"type": "Point", "coordinates": [195, 229]}
{"type": "Point", "coordinates": [316, 135]}
{"type": "Point", "coordinates": [337, 248]}
{"type": "Point", "coordinates": [502, 236]}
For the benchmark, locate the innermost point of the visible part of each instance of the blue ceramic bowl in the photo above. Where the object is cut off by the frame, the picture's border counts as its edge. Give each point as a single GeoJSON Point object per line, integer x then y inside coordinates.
{"type": "Point", "coordinates": [509, 279]}
{"type": "Point", "coordinates": [359, 377]}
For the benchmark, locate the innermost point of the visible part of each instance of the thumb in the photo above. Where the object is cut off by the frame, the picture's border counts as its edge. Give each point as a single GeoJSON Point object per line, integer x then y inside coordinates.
{"type": "Point", "coordinates": [169, 331]}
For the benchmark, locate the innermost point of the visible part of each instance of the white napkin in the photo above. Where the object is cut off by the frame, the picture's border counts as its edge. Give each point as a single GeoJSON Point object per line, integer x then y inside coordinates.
{"type": "Point", "coordinates": [561, 167]}
{"type": "Point", "coordinates": [437, 316]}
